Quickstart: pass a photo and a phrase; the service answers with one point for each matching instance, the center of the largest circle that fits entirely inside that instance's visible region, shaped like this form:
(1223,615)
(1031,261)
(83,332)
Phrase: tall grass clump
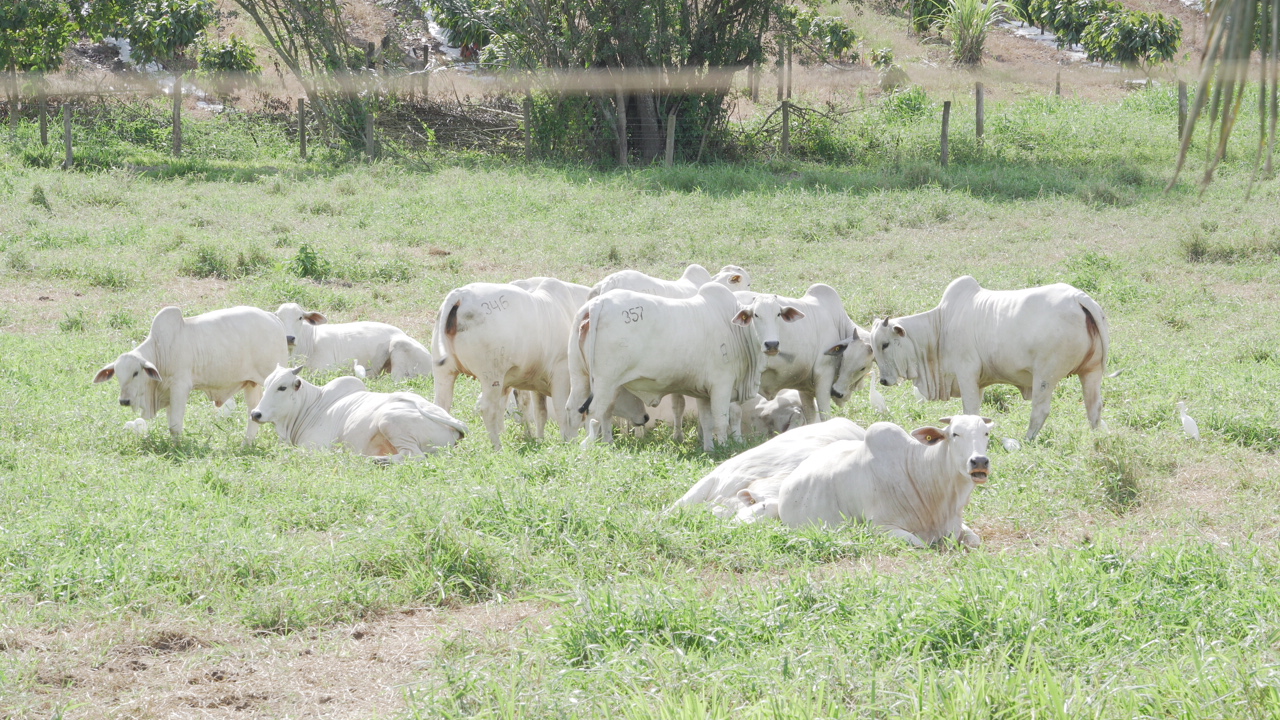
(965,24)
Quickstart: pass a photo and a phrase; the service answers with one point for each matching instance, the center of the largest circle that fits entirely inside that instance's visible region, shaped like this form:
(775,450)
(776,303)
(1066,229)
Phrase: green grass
(1126,575)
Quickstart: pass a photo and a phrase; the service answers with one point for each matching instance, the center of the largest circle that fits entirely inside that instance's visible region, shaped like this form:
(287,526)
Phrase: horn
(297,370)
(945,420)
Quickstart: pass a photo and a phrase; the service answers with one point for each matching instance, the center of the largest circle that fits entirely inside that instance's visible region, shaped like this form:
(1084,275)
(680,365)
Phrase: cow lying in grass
(388,426)
(379,347)
(913,486)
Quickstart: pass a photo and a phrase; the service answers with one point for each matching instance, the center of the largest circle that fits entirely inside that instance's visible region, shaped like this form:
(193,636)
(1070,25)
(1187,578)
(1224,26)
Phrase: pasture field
(1128,574)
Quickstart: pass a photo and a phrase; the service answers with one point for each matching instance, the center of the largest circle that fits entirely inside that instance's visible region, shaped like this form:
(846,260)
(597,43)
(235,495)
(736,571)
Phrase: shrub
(925,14)
(906,104)
(1132,39)
(309,264)
(882,58)
(965,24)
(229,65)
(1067,19)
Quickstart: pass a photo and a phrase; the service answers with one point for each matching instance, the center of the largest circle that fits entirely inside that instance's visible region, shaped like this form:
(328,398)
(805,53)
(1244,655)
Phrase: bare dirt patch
(161,670)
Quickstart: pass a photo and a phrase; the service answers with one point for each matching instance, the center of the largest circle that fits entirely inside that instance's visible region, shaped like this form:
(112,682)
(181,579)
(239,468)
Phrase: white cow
(766,418)
(533,415)
(827,354)
(506,337)
(1029,338)
(389,426)
(220,353)
(694,277)
(378,347)
(912,486)
(708,346)
(775,458)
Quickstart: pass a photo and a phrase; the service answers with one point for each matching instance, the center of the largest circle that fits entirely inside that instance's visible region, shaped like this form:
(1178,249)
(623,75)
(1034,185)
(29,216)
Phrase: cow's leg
(493,405)
(735,421)
(719,405)
(970,395)
(602,397)
(177,408)
(560,390)
(705,424)
(445,377)
(902,534)
(252,396)
(677,412)
(968,537)
(816,406)
(1091,384)
(1041,398)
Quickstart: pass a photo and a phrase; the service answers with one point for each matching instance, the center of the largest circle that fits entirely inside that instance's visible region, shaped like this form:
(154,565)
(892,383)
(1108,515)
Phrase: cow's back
(231,346)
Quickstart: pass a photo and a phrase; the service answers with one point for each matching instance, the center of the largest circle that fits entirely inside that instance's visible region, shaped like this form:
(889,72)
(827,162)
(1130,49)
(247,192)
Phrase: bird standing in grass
(878,402)
(138,426)
(1011,445)
(1189,425)
(359,369)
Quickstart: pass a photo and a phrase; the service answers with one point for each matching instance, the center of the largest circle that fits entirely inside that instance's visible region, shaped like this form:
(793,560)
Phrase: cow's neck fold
(311,406)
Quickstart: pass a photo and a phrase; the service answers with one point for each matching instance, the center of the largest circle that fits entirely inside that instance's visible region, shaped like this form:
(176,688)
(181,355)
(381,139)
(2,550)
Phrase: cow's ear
(151,370)
(928,435)
(743,317)
(944,421)
(315,318)
(297,383)
(105,374)
(791,314)
(988,421)
(736,279)
(838,349)
(898,330)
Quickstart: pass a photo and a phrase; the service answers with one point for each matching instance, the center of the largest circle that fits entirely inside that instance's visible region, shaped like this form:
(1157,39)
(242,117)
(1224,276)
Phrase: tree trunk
(650,127)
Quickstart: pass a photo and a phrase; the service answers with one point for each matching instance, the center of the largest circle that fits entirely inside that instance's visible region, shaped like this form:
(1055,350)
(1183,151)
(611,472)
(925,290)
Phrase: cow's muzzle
(837,394)
(291,340)
(124,402)
(884,382)
(255,416)
(642,423)
(979,468)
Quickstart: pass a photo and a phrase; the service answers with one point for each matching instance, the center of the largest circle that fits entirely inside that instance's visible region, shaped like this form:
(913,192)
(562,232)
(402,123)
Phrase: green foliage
(1132,39)
(965,24)
(309,264)
(906,104)
(925,14)
(159,31)
(228,63)
(881,58)
(1067,19)
(827,37)
(34,34)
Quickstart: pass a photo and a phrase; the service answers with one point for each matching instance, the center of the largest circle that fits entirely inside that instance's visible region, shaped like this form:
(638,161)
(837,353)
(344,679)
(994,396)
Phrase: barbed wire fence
(413,112)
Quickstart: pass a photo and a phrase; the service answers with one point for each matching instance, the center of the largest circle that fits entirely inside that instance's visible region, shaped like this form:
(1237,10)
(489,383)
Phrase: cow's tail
(582,341)
(1095,324)
(446,327)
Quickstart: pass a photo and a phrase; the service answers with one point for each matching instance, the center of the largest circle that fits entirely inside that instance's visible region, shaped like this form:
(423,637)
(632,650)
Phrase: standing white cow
(912,486)
(1029,338)
(774,458)
(694,277)
(827,355)
(390,426)
(532,407)
(379,347)
(709,346)
(506,337)
(220,353)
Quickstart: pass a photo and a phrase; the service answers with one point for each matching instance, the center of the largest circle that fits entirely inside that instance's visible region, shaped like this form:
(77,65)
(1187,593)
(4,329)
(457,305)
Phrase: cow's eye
(135,373)
(281,388)
(884,346)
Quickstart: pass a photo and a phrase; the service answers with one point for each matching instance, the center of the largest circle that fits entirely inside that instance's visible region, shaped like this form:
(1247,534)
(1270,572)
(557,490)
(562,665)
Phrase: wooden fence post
(1182,108)
(671,139)
(528,125)
(782,69)
(370,143)
(622,127)
(790,66)
(66,135)
(368,55)
(302,128)
(785,145)
(13,111)
(177,115)
(43,101)
(946,122)
(1057,84)
(980,119)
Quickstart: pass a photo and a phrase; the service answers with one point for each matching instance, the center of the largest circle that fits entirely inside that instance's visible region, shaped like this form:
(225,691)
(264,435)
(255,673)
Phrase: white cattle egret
(358,368)
(138,426)
(1189,425)
(1011,445)
(228,408)
(919,395)
(877,401)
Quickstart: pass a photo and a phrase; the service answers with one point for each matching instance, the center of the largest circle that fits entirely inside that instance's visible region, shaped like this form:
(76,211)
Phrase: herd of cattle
(634,347)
